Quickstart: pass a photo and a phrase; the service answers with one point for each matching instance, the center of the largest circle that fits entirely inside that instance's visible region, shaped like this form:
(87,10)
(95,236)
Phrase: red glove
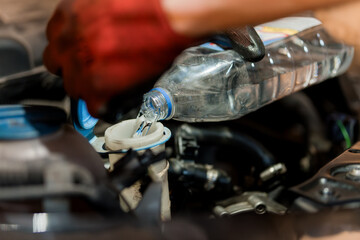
(103,48)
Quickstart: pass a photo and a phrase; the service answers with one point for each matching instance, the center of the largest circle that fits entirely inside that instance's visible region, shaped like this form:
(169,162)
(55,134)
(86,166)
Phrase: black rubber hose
(225,136)
(300,104)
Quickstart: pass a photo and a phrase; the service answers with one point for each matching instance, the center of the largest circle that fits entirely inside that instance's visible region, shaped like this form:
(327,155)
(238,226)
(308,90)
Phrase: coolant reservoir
(120,138)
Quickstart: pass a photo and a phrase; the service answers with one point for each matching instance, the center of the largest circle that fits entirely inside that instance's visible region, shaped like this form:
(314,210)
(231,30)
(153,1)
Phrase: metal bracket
(336,183)
(258,202)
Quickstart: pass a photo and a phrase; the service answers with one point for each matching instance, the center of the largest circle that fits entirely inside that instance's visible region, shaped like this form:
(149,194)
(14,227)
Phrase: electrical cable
(345,133)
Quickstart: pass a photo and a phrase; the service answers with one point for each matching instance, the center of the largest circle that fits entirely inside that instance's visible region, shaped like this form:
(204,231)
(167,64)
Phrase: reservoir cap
(18,122)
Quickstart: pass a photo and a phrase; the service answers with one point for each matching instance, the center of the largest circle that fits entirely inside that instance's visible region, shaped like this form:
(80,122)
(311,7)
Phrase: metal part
(212,176)
(258,202)
(273,171)
(203,175)
(336,183)
(354,174)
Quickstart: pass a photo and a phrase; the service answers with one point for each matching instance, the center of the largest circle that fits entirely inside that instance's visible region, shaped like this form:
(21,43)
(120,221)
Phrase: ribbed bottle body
(210,84)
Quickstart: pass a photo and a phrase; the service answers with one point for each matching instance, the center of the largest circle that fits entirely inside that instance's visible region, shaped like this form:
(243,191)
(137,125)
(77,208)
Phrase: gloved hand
(103,48)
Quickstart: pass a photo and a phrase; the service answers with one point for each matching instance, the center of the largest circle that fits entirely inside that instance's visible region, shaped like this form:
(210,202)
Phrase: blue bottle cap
(167,98)
(19,122)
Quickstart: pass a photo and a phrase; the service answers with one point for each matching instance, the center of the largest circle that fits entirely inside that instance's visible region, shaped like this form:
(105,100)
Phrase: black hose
(225,136)
(300,104)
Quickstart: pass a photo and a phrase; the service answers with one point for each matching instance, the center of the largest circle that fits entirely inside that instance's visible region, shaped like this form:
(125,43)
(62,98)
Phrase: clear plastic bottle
(207,83)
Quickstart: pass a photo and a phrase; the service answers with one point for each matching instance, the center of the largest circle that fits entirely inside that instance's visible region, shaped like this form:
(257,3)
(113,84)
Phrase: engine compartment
(272,165)
(269,174)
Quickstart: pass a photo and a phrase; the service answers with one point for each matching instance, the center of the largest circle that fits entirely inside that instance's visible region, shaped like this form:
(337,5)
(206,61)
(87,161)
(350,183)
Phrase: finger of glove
(247,43)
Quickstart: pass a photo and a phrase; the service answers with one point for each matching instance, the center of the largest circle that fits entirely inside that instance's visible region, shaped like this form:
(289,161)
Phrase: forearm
(200,17)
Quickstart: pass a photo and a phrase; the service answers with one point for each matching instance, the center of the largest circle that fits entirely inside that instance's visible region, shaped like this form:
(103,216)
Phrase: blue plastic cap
(19,122)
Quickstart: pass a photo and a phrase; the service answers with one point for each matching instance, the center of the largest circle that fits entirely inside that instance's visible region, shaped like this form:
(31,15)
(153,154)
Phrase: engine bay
(289,170)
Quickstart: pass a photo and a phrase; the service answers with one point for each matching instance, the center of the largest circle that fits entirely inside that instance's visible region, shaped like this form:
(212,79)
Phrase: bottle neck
(157,105)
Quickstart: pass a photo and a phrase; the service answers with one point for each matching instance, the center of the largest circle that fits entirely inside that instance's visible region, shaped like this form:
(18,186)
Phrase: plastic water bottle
(207,83)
